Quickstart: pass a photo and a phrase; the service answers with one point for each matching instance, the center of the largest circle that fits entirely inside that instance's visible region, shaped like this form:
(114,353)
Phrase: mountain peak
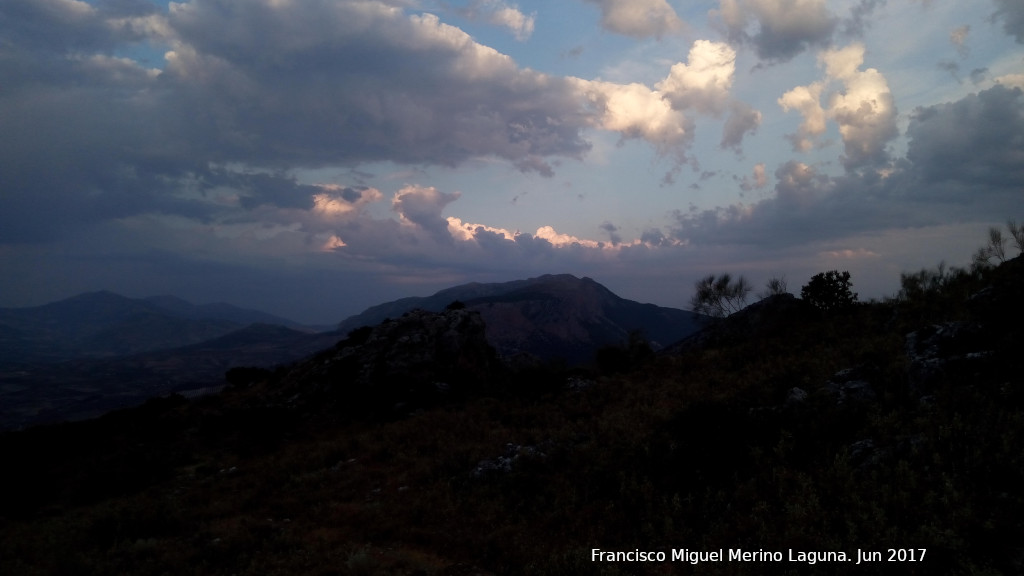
(548,316)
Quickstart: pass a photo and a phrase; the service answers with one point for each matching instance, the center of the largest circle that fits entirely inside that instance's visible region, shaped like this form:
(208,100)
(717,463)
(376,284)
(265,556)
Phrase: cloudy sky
(314,157)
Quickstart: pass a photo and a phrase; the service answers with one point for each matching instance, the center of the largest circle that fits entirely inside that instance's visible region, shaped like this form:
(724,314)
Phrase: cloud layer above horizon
(316,157)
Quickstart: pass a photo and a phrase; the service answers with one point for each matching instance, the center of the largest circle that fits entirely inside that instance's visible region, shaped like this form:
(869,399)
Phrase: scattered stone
(577,383)
(503,464)
(850,388)
(795,396)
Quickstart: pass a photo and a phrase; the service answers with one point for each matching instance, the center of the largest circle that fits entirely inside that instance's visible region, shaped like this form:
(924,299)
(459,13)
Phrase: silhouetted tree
(829,290)
(720,296)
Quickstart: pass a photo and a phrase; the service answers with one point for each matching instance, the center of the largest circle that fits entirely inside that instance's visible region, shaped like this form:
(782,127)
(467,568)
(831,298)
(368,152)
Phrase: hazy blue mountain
(550,316)
(104,324)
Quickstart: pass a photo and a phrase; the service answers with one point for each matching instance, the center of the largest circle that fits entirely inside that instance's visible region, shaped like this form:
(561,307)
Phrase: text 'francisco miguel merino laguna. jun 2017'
(740,555)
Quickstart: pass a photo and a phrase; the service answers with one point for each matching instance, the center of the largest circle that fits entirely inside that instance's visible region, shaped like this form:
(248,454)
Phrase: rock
(850,388)
(933,349)
(795,396)
(503,464)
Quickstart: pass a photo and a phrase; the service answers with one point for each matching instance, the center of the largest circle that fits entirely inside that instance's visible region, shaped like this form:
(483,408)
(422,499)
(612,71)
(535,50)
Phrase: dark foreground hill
(806,438)
(551,316)
(88,387)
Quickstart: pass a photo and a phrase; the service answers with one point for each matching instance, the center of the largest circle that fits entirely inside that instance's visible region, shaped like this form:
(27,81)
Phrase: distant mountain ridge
(550,316)
(104,324)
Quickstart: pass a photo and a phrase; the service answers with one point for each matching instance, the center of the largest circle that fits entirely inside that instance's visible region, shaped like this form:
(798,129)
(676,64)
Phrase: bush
(829,291)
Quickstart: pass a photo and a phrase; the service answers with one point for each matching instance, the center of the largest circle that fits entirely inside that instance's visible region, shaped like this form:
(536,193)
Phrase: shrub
(829,291)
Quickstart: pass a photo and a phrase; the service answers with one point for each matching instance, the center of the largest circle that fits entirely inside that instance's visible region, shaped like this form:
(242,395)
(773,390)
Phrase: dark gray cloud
(742,120)
(1011,12)
(778,29)
(246,96)
(977,141)
(859,20)
(348,82)
(613,232)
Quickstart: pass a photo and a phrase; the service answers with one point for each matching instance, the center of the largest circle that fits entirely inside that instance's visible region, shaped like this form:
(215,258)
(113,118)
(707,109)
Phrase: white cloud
(807,101)
(636,111)
(421,207)
(559,240)
(704,81)
(467,231)
(863,107)
(638,18)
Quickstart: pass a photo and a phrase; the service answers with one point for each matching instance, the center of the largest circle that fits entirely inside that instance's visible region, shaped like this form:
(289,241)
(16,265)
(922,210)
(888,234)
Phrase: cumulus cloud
(466,231)
(636,111)
(703,84)
(361,81)
(704,81)
(807,101)
(778,29)
(862,106)
(499,13)
(638,18)
(422,206)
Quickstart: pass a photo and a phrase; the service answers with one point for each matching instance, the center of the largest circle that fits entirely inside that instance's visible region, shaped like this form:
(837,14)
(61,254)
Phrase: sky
(312,158)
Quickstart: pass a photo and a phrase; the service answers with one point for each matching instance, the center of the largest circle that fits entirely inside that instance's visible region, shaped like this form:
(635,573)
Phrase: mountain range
(97,351)
(811,435)
(104,324)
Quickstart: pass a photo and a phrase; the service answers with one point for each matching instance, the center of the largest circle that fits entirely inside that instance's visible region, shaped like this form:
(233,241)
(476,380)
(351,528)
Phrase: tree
(829,291)
(719,296)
